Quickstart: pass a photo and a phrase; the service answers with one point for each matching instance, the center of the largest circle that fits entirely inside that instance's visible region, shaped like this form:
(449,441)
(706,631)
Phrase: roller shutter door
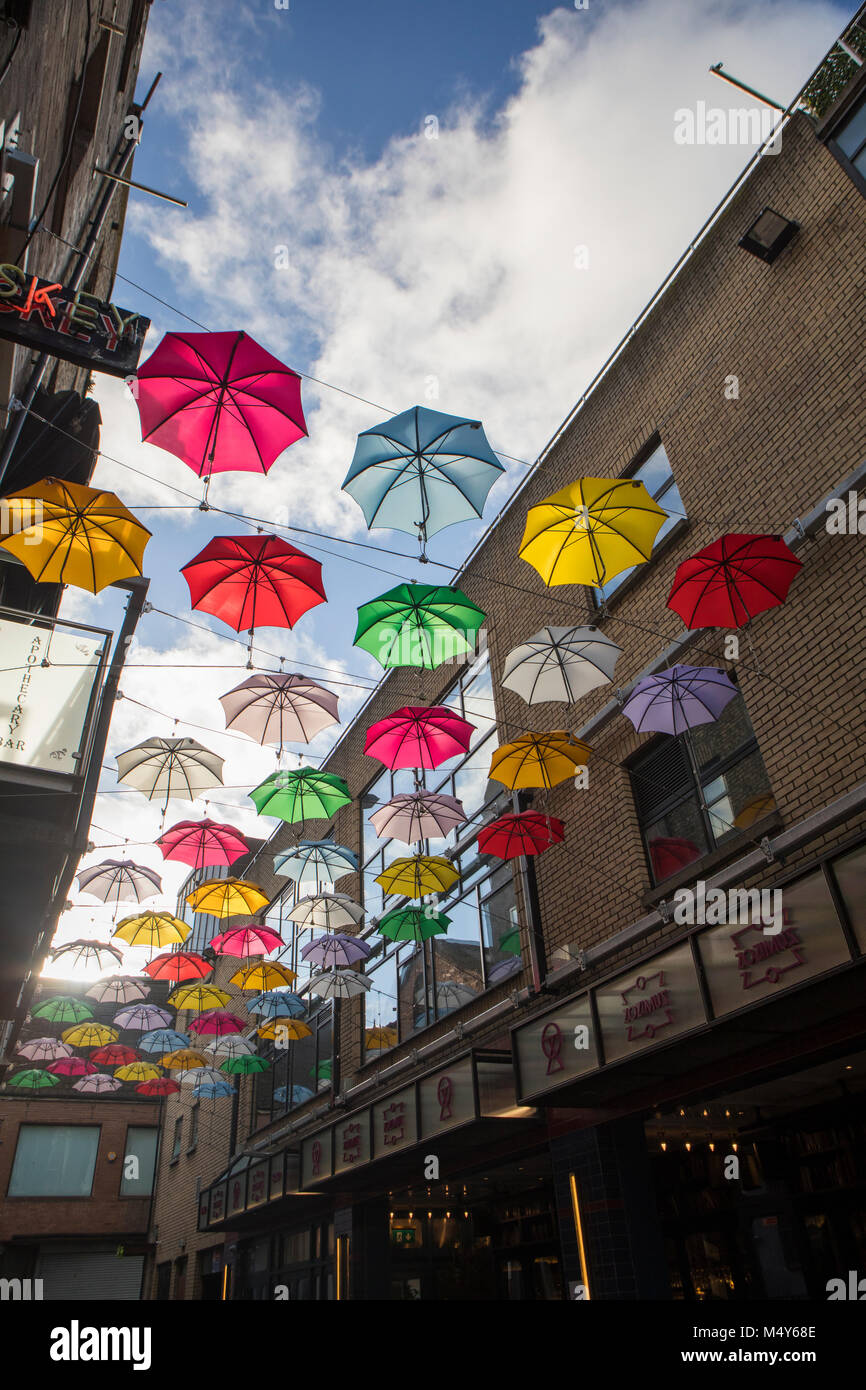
(89,1274)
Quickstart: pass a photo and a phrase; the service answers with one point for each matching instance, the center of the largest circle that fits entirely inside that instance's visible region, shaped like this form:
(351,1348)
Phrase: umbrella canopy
(670,853)
(591,530)
(413,878)
(538,760)
(44,1050)
(755,809)
(336,951)
(277,1003)
(375,1038)
(419,815)
(228,897)
(152,929)
(292,1095)
(140,1018)
(413,924)
(254,581)
(202,843)
(254,940)
(338,984)
(213,1090)
(278,708)
(330,911)
(199,997)
(731,581)
(264,975)
(199,1076)
(177,966)
(316,861)
(114,1055)
(84,953)
(217,1022)
(232,1045)
(162,1086)
(90,1035)
(525,832)
(71,1066)
(161,768)
(679,698)
(418,736)
(244,1065)
(119,989)
(97,1085)
(301,794)
(285,1029)
(560,663)
(183,1059)
(450,995)
(32,1080)
(160,1040)
(63,1008)
(510,942)
(219,402)
(138,1071)
(422,471)
(419,625)
(119,880)
(80,535)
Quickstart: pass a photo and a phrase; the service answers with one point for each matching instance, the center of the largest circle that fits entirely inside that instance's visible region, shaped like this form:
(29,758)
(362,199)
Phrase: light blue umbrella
(298,1095)
(213,1090)
(316,861)
(422,471)
(162,1040)
(277,1003)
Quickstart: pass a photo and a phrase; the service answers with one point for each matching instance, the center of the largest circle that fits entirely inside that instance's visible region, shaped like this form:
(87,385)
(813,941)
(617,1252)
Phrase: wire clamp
(15,404)
(665,910)
(798,527)
(147,607)
(767,849)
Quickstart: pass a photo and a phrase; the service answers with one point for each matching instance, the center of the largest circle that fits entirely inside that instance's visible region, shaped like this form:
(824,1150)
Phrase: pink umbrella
(421,815)
(217,1021)
(219,402)
(255,940)
(71,1066)
(97,1085)
(201,843)
(45,1050)
(418,736)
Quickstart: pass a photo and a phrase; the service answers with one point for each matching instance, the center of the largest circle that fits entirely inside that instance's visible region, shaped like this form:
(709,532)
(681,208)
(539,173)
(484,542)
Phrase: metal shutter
(89,1274)
(661,777)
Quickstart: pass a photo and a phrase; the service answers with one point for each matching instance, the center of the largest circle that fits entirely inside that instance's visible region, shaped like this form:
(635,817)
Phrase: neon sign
(71,324)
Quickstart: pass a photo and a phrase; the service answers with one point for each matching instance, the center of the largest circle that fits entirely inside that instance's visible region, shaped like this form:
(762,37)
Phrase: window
(193,1127)
(848,143)
(139,1160)
(301,1068)
(163,1281)
(694,792)
(657,477)
(54,1161)
(178,1135)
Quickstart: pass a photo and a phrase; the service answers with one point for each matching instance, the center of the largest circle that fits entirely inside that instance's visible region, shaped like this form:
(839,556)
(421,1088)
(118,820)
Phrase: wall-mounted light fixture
(768,235)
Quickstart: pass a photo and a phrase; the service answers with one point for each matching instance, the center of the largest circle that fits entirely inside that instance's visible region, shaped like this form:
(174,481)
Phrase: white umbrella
(421,815)
(198,1075)
(88,953)
(332,911)
(274,707)
(560,663)
(338,984)
(161,768)
(232,1045)
(119,880)
(119,989)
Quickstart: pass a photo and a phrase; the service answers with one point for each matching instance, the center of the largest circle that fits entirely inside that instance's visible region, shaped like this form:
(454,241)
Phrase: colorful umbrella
(183,1059)
(244,1066)
(510,942)
(119,880)
(755,809)
(264,975)
(177,966)
(538,760)
(90,1035)
(32,1080)
(670,853)
(285,1029)
(526,832)
(731,581)
(86,953)
(219,402)
(44,1050)
(162,1040)
(422,471)
(324,1071)
(114,1055)
(254,940)
(679,698)
(203,843)
(301,794)
(152,929)
(338,984)
(140,1018)
(138,1071)
(273,707)
(450,996)
(232,1045)
(161,768)
(200,1076)
(80,535)
(560,663)
(274,1003)
(98,1085)
(419,625)
(198,997)
(292,1095)
(413,878)
(419,815)
(591,530)
(418,736)
(228,897)
(216,1022)
(375,1038)
(71,1066)
(413,924)
(335,951)
(163,1086)
(254,581)
(213,1090)
(63,1008)
(119,989)
(330,911)
(316,861)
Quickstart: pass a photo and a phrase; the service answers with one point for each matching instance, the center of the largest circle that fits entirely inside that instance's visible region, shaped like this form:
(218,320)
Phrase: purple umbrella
(45,1050)
(337,950)
(679,699)
(119,880)
(142,1017)
(98,1084)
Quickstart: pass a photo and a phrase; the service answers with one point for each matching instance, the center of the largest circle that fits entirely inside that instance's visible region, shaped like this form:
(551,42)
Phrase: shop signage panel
(394,1123)
(447,1098)
(352,1142)
(850,874)
(257,1185)
(217,1204)
(556,1048)
(69,324)
(45,694)
(316,1158)
(237,1193)
(747,963)
(276,1185)
(650,1004)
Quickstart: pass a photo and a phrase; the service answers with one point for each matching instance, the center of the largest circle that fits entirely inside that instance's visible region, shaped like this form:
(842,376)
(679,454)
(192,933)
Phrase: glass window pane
(676,839)
(458,958)
(380,1001)
(138,1161)
(54,1161)
(853,132)
(412,1004)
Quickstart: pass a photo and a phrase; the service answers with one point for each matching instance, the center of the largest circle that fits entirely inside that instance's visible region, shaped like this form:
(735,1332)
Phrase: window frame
(599,601)
(838,116)
(52,1196)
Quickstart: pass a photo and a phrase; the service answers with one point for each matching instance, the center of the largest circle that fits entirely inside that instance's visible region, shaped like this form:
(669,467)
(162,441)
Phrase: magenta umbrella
(255,940)
(202,843)
(219,402)
(218,1022)
(71,1066)
(418,736)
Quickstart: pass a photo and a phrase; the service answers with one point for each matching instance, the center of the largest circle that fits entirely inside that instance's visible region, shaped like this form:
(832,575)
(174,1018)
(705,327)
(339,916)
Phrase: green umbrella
(302,794)
(33,1080)
(510,942)
(418,625)
(413,924)
(243,1065)
(63,1008)
(324,1071)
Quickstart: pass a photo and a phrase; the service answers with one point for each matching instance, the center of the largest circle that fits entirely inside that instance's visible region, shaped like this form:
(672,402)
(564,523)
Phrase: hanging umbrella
(276,708)
(254,581)
(376,1038)
(450,995)
(177,966)
(219,402)
(114,1055)
(232,1045)
(71,1066)
(32,1080)
(213,1090)
(63,1008)
(422,471)
(419,815)
(90,1035)
(254,940)
(292,1095)
(418,736)
(560,663)
(323,1072)
(285,1029)
(162,768)
(538,760)
(301,794)
(316,861)
(98,1085)
(162,1086)
(228,897)
(679,698)
(152,929)
(119,989)
(85,953)
(413,924)
(44,1050)
(161,1040)
(183,1059)
(330,911)
(335,951)
(731,581)
(274,1003)
(216,1022)
(670,853)
(413,878)
(264,975)
(591,531)
(338,984)
(504,969)
(80,535)
(140,1018)
(138,1071)
(755,809)
(244,1066)
(200,1076)
(199,997)
(202,843)
(525,832)
(420,625)
(119,880)
(510,942)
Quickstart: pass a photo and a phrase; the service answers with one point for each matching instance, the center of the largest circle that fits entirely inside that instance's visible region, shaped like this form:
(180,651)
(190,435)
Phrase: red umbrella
(201,843)
(246,941)
(177,966)
(670,853)
(71,1066)
(254,581)
(114,1055)
(218,1022)
(418,736)
(732,580)
(525,832)
(160,1086)
(219,402)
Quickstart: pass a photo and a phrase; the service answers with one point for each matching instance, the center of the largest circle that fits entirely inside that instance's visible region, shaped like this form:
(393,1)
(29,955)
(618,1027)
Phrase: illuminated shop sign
(394,1123)
(45,693)
(69,324)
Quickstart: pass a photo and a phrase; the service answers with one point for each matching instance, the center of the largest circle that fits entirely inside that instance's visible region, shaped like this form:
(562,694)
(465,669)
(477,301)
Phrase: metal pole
(735,82)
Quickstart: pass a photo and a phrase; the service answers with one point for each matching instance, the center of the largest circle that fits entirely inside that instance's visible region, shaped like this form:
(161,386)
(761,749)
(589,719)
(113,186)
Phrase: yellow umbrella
(591,530)
(77,535)
(380,1037)
(538,760)
(183,1059)
(199,997)
(412,878)
(228,897)
(152,929)
(90,1035)
(755,809)
(262,976)
(287,1029)
(138,1071)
